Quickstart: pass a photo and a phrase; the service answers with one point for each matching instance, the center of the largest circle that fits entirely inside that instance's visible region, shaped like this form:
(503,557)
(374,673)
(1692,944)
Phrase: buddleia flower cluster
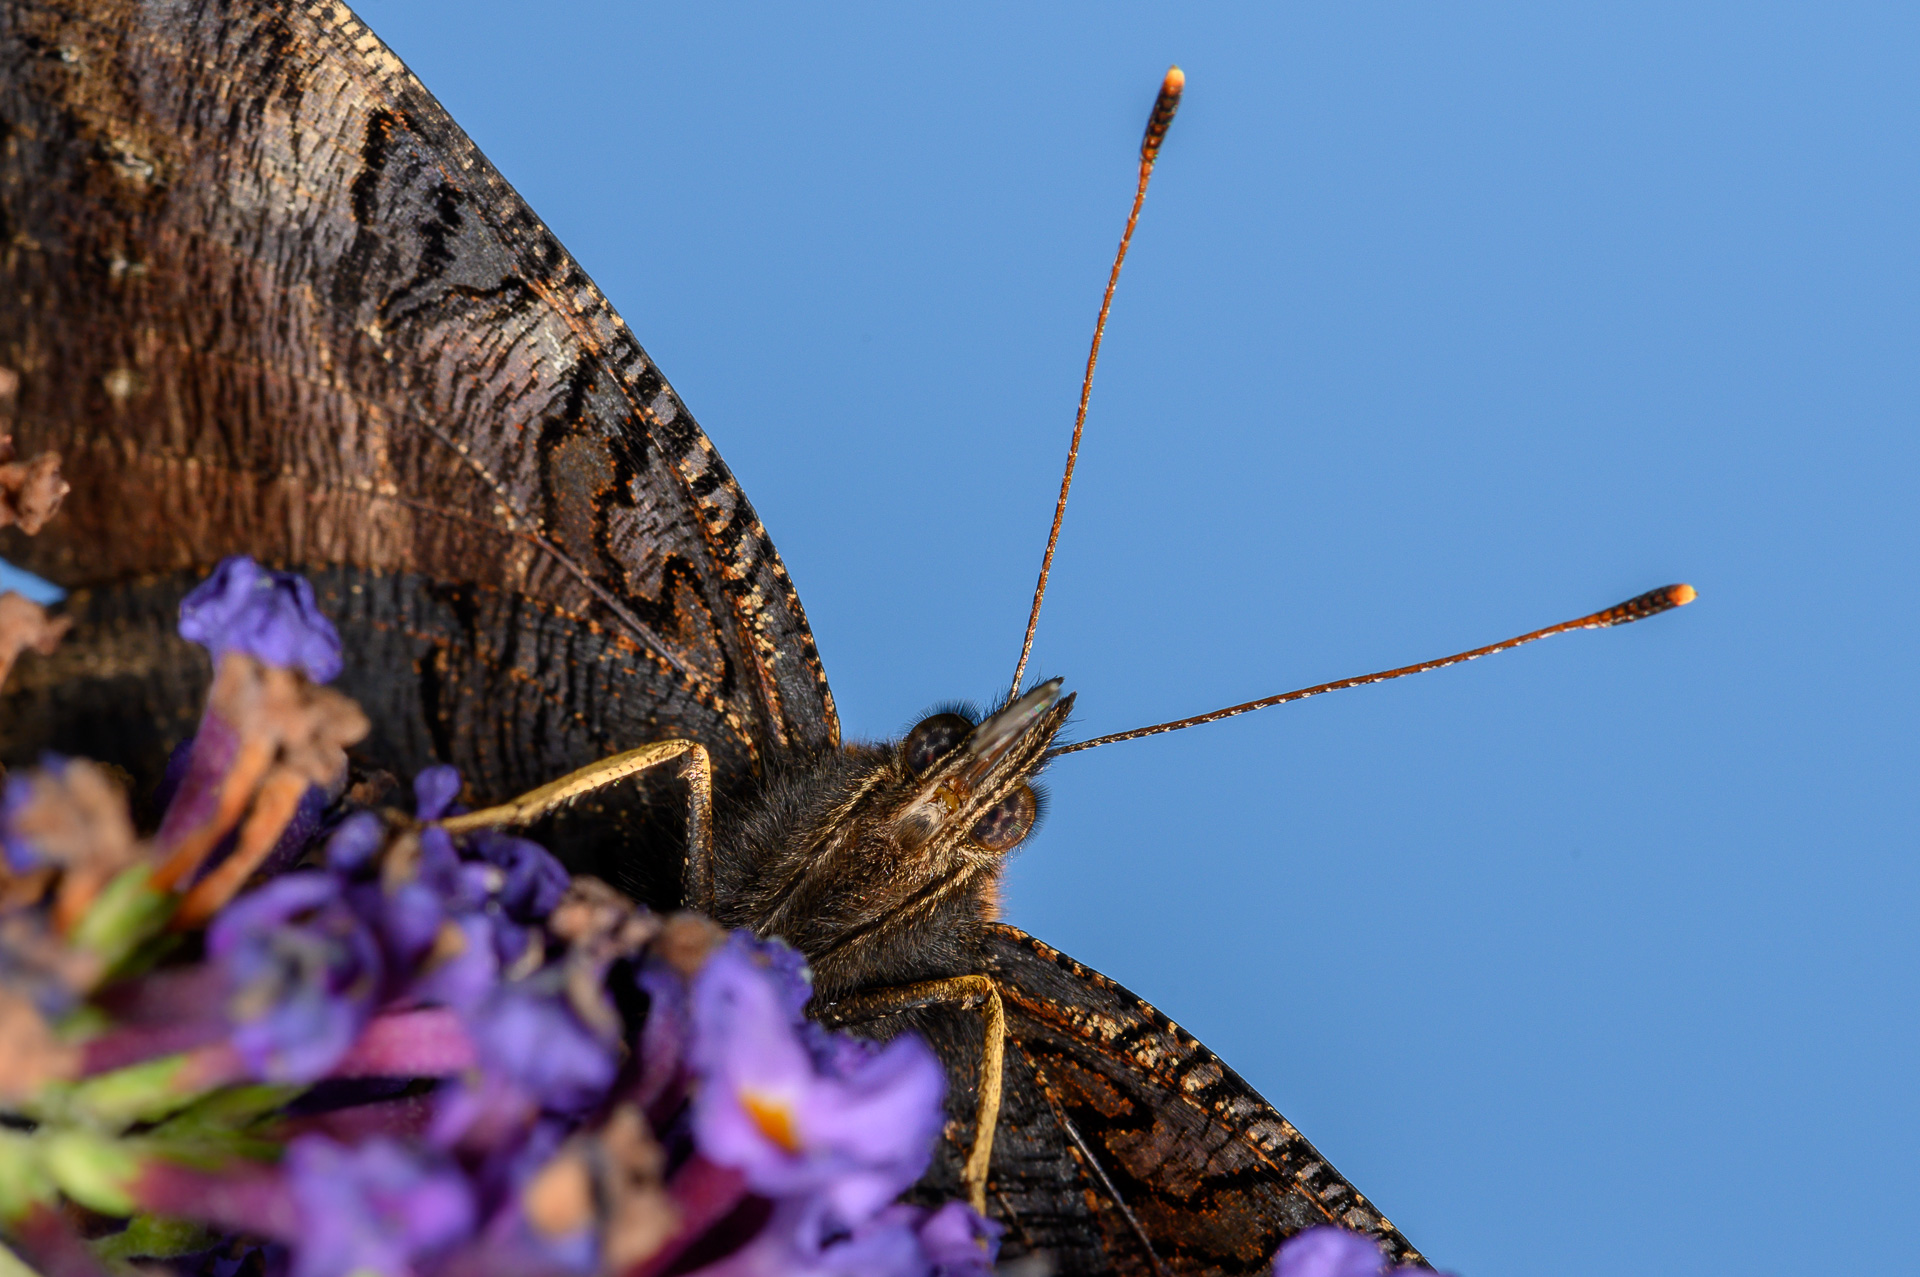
(291,1030)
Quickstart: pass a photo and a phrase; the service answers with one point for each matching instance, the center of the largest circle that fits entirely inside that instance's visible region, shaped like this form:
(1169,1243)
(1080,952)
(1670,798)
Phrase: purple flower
(374,1209)
(664,1037)
(535,1043)
(353,842)
(887,1245)
(67,812)
(305,973)
(300,831)
(434,791)
(14,798)
(533,881)
(273,616)
(407,918)
(836,1054)
(959,1241)
(462,967)
(409,914)
(1327,1251)
(785,964)
(857,1140)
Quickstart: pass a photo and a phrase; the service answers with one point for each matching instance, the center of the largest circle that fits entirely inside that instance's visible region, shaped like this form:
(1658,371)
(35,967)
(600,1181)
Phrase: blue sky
(1443,322)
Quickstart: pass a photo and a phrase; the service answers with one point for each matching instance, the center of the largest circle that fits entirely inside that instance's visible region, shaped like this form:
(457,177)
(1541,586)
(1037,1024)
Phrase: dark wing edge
(1200,1164)
(765,606)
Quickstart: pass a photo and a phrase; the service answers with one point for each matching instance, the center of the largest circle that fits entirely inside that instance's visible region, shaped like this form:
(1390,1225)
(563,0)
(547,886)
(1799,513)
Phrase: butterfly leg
(963,991)
(696,766)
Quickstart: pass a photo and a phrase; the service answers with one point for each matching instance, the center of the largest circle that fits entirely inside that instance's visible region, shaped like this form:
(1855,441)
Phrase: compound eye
(933,738)
(1007,821)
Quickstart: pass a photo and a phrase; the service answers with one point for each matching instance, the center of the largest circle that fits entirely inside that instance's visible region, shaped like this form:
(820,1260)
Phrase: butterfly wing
(265,297)
(1124,1145)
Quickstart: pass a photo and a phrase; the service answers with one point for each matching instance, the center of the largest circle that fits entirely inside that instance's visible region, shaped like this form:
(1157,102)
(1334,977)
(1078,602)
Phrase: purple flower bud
(1327,1251)
(374,1209)
(463,967)
(305,972)
(440,867)
(960,1242)
(534,880)
(434,791)
(857,1140)
(273,616)
(354,841)
(408,918)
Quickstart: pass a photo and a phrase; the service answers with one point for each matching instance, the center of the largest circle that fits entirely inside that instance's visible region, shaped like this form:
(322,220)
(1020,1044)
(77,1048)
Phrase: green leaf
(93,1170)
(23,1180)
(155,1237)
(128,911)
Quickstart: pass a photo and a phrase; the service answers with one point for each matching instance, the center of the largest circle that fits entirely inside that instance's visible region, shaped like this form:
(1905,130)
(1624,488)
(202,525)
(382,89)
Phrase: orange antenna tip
(1164,106)
(1638,608)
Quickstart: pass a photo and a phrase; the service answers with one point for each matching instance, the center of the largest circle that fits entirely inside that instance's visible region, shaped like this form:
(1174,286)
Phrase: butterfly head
(862,856)
(966,785)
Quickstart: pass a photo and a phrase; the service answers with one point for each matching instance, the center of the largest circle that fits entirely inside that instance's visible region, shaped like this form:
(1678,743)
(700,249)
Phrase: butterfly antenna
(1639,608)
(1163,108)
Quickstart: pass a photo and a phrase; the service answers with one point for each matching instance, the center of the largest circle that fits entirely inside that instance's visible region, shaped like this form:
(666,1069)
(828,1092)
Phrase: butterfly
(265,297)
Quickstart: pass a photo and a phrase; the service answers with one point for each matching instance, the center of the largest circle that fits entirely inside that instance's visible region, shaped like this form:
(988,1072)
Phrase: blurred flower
(244,607)
(535,1042)
(30,490)
(857,1140)
(30,1053)
(959,1242)
(607,1181)
(351,846)
(305,973)
(373,1210)
(434,791)
(890,1244)
(534,882)
(68,812)
(1327,1251)
(471,1095)
(267,735)
(25,624)
(461,968)
(306,726)
(785,965)
(884,1246)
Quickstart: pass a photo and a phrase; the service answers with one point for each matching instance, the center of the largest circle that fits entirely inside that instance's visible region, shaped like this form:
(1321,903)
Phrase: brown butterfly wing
(265,297)
(1119,1132)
